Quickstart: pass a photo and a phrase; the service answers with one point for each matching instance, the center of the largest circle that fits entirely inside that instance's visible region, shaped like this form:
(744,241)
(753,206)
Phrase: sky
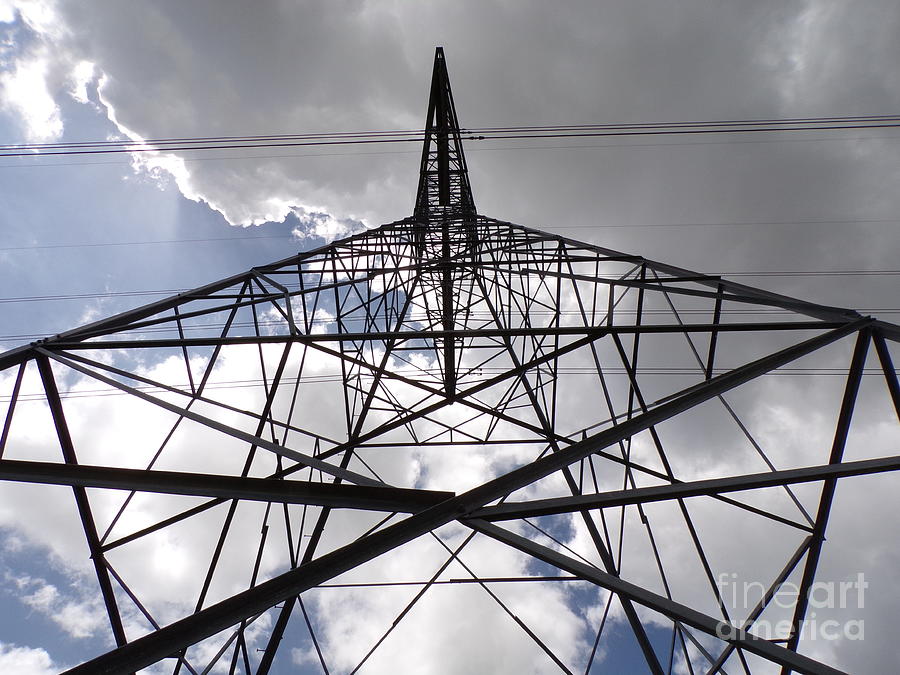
(119,231)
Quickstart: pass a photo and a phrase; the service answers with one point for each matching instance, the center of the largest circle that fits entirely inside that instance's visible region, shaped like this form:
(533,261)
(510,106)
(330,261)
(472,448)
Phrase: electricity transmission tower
(356,454)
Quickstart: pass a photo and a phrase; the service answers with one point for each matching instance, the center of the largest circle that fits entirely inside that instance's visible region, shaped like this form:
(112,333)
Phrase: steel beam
(824,312)
(82,503)
(848,404)
(887,366)
(209,621)
(658,603)
(335,495)
(708,487)
(11,408)
(294,455)
(422,335)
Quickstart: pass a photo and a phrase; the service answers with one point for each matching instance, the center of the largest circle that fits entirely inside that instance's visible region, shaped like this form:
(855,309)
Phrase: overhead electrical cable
(471,133)
(680,142)
(749,223)
(101,392)
(748,273)
(100,244)
(157,330)
(871,119)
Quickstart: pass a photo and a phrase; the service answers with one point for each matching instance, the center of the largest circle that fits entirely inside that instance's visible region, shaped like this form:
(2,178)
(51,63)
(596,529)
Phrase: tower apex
(444,189)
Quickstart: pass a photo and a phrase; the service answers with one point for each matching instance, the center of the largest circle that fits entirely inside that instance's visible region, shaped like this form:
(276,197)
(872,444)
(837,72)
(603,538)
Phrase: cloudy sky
(802,202)
(118,230)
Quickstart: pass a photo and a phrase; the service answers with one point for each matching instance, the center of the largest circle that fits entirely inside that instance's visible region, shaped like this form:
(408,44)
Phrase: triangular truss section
(436,382)
(444,189)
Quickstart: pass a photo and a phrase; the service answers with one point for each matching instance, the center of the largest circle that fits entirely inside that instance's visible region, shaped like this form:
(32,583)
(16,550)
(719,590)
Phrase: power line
(89,296)
(473,133)
(29,337)
(746,273)
(141,243)
(616,126)
(749,223)
(813,273)
(101,392)
(580,146)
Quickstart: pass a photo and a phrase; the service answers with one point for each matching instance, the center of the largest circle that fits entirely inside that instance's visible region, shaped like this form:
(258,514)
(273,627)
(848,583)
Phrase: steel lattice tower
(585,401)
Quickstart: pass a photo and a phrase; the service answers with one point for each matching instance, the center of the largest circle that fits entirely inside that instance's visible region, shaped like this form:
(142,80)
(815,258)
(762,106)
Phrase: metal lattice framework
(586,383)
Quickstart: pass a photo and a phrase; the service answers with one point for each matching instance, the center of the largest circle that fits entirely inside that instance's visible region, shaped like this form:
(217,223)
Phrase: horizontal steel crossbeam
(712,486)
(662,604)
(180,634)
(334,495)
(401,336)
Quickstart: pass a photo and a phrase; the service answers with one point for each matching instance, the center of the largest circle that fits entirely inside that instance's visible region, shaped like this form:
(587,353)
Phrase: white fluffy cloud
(79,613)
(24,90)
(17,660)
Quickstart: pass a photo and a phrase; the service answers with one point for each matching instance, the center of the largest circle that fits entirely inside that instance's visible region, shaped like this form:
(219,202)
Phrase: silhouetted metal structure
(588,380)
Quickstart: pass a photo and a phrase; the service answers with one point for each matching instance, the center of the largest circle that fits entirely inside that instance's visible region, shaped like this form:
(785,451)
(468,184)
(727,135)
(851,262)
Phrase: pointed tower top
(444,189)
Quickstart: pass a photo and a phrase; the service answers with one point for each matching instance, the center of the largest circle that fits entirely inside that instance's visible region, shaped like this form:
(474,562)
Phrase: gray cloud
(225,68)
(173,69)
